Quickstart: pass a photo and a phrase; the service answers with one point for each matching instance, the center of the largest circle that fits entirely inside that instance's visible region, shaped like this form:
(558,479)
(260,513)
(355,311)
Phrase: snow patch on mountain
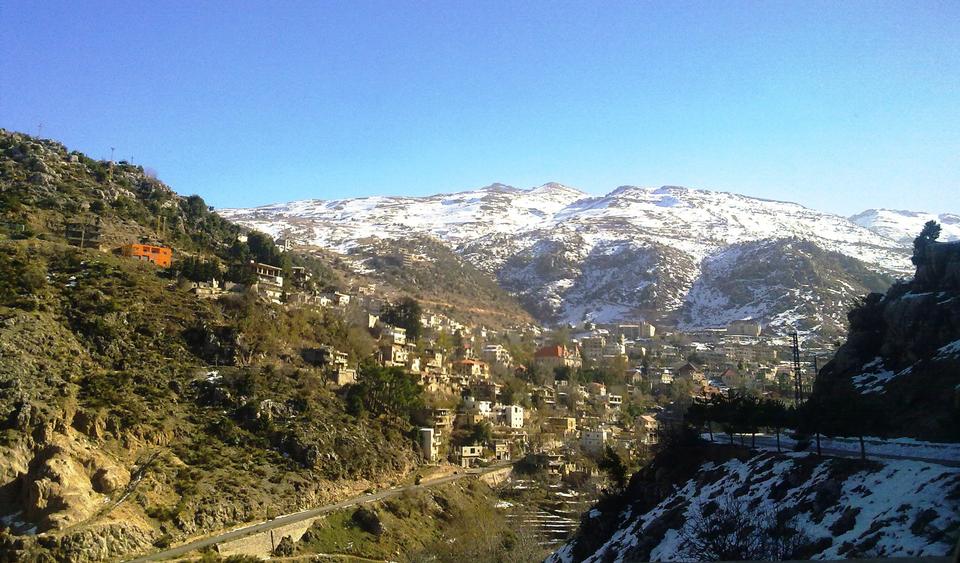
(903,226)
(634,252)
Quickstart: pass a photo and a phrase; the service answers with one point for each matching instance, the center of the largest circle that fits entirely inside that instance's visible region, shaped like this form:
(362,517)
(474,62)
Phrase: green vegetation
(454,523)
(404,314)
(111,366)
(385,391)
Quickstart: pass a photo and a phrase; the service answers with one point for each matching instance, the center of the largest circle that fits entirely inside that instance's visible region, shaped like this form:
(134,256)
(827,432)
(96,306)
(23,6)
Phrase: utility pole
(40,129)
(797,381)
(816,366)
(111,155)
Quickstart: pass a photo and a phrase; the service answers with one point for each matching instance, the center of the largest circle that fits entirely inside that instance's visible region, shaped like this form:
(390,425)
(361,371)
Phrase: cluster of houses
(565,417)
(508,434)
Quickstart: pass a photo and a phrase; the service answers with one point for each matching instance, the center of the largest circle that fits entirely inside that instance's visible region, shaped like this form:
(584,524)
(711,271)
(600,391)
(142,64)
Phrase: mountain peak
(556,187)
(498,187)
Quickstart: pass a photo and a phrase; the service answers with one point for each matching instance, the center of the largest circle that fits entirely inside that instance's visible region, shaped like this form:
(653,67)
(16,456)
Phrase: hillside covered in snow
(903,226)
(778,506)
(656,253)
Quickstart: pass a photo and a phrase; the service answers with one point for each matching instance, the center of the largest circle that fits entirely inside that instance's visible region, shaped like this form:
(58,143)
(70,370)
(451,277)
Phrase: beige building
(551,357)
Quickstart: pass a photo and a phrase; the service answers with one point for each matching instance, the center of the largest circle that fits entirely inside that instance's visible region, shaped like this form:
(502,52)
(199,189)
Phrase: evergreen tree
(774,414)
(930,233)
(405,314)
(380,390)
(616,469)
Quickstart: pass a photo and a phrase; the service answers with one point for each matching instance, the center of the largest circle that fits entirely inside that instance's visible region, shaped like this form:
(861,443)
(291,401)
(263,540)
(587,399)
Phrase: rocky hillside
(635,252)
(438,278)
(132,413)
(902,355)
(791,282)
(725,505)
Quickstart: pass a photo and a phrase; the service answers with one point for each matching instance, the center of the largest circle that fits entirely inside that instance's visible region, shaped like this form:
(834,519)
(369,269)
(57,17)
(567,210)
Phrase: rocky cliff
(902,355)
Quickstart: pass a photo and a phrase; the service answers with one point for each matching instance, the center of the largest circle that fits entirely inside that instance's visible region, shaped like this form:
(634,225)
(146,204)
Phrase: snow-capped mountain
(903,226)
(635,252)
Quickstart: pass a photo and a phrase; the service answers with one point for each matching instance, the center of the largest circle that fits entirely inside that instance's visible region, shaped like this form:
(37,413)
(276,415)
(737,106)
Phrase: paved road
(306,515)
(770,443)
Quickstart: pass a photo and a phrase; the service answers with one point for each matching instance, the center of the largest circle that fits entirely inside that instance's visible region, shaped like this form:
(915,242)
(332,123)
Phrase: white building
(470,455)
(511,415)
(496,354)
(483,408)
(430,443)
(394,334)
(593,441)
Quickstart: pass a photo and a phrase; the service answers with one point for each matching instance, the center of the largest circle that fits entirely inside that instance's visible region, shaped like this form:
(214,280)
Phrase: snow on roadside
(899,447)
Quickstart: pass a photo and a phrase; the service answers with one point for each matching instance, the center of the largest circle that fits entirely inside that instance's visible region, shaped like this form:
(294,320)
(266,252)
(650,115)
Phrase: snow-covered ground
(899,508)
(905,225)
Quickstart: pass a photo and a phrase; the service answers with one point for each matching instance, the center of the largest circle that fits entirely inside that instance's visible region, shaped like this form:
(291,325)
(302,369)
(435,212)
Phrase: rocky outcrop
(67,481)
(101,542)
(903,352)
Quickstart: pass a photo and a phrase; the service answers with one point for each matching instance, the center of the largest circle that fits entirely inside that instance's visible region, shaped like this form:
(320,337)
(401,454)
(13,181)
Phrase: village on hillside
(558,399)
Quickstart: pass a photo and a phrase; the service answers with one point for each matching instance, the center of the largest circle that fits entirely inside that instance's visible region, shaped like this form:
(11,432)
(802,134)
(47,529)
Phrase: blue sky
(837,105)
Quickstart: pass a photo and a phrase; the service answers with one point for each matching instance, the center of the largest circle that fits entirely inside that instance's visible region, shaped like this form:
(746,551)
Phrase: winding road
(852,449)
(284,520)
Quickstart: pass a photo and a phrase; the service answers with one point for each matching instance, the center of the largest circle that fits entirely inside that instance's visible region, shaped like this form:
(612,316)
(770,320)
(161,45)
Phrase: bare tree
(730,530)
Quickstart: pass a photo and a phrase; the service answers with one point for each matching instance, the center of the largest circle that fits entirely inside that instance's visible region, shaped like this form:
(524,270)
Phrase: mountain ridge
(542,243)
(902,225)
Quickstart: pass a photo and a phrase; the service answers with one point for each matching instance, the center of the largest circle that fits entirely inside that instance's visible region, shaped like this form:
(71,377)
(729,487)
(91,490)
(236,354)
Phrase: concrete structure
(160,255)
(343,376)
(496,354)
(745,327)
(593,441)
(470,455)
(563,425)
(474,406)
(430,441)
(552,357)
(512,416)
(471,368)
(647,429)
(592,347)
(268,274)
(393,334)
(394,355)
(637,331)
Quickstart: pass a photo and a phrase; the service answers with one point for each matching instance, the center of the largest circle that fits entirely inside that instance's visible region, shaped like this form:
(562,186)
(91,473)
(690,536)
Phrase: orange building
(159,255)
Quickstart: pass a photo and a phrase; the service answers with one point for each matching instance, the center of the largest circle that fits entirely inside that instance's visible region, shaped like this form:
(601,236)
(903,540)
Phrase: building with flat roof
(160,255)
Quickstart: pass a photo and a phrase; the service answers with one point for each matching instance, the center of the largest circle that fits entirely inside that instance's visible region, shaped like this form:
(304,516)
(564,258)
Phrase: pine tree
(930,233)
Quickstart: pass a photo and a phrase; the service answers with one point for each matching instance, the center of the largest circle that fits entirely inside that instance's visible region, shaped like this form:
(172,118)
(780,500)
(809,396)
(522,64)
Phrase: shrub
(368,521)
